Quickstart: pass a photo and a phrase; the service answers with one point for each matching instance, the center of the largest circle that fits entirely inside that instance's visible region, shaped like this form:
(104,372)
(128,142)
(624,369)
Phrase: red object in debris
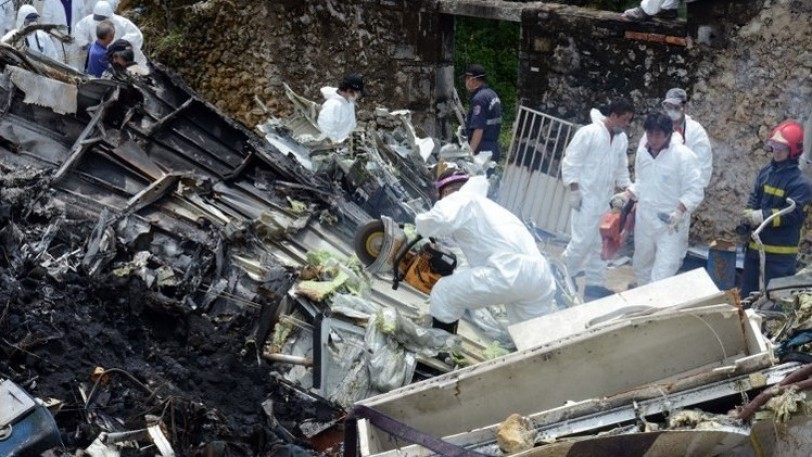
(615,227)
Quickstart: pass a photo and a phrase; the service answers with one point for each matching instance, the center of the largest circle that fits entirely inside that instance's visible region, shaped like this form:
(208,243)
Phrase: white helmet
(103,8)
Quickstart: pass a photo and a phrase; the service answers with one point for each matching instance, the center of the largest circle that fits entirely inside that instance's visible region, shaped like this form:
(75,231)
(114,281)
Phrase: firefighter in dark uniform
(776,182)
(484,119)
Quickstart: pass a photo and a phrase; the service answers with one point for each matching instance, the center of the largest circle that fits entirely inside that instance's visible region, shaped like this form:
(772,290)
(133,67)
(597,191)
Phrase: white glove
(673,220)
(754,217)
(619,200)
(575,199)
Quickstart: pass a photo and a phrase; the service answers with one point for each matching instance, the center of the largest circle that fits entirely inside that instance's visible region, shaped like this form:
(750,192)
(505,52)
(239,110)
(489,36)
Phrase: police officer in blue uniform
(776,182)
(484,119)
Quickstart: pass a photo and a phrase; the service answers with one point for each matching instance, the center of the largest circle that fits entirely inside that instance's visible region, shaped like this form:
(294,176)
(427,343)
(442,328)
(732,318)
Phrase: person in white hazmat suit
(38,40)
(667,187)
(663,9)
(692,133)
(337,114)
(594,165)
(67,13)
(6,16)
(85,31)
(504,263)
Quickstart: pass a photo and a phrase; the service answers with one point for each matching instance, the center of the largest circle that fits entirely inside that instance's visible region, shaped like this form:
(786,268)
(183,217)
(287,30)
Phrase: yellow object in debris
(319,290)
(515,434)
(804,309)
(495,350)
(98,376)
(297,207)
(787,404)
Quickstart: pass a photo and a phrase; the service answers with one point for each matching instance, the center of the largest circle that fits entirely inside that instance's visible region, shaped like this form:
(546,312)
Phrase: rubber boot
(450,327)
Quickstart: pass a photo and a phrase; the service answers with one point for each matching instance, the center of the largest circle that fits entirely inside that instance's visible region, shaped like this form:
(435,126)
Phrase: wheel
(368,241)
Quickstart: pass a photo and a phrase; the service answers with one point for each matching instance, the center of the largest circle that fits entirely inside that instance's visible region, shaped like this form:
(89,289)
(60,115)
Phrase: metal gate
(531,185)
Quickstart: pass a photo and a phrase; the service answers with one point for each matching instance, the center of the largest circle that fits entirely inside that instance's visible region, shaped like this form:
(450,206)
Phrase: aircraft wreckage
(175,284)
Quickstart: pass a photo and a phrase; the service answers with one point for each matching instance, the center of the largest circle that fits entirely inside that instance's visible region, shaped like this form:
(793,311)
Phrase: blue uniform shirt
(97,60)
(774,184)
(486,114)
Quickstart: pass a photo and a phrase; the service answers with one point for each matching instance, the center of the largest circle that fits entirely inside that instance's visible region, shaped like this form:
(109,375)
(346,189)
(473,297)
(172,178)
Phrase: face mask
(617,130)
(353,98)
(675,115)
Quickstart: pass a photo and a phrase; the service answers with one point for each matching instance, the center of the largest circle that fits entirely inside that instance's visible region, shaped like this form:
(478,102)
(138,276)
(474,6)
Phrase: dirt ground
(618,278)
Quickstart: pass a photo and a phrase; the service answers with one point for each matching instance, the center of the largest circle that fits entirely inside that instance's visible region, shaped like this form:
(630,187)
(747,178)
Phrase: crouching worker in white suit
(504,263)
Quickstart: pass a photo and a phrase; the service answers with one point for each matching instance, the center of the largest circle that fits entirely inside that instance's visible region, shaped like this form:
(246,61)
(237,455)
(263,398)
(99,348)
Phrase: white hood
(25,10)
(329,92)
(103,8)
(477,185)
(596,116)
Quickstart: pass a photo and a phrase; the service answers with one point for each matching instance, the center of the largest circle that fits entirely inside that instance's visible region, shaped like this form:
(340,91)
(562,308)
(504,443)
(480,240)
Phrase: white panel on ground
(674,291)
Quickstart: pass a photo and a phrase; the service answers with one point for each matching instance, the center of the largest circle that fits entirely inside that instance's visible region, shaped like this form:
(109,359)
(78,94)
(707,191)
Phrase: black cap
(355,82)
(119,46)
(474,70)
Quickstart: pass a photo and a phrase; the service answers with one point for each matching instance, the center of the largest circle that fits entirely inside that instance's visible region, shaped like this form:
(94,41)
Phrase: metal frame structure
(531,185)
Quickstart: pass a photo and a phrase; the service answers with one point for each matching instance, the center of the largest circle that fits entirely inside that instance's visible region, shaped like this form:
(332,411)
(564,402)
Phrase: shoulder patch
(477,110)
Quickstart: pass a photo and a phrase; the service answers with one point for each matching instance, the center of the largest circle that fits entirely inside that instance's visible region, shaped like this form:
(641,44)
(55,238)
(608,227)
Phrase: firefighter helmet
(790,133)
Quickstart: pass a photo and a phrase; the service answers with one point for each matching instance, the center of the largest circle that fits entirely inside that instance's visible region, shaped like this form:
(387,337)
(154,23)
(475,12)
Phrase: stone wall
(741,92)
(572,60)
(232,51)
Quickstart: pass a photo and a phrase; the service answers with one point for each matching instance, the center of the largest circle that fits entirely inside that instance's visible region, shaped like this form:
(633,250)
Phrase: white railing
(531,185)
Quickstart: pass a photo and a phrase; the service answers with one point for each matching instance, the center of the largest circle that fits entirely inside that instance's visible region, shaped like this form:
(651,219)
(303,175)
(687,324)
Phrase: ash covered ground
(199,374)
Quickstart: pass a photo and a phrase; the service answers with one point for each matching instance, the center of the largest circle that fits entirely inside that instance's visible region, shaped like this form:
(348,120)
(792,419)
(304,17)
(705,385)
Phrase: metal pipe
(292,359)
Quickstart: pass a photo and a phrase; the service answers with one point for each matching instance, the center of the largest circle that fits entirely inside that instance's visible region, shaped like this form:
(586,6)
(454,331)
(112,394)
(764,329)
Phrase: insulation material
(44,91)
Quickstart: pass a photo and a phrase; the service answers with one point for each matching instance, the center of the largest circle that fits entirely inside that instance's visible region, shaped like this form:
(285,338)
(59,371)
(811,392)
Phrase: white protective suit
(54,13)
(652,7)
(504,263)
(85,31)
(38,40)
(337,115)
(598,163)
(660,185)
(6,17)
(696,138)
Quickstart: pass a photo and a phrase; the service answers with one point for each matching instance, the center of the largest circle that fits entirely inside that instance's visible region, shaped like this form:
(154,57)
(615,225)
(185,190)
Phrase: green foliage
(169,47)
(494,45)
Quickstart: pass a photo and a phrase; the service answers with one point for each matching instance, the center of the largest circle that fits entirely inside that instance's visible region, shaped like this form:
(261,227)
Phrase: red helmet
(790,133)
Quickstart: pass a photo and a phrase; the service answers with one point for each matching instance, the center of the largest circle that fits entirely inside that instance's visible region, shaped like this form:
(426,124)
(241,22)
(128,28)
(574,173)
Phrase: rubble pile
(169,277)
(112,348)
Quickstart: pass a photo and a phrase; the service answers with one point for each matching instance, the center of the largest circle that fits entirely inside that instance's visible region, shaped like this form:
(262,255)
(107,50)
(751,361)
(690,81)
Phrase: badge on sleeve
(477,110)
